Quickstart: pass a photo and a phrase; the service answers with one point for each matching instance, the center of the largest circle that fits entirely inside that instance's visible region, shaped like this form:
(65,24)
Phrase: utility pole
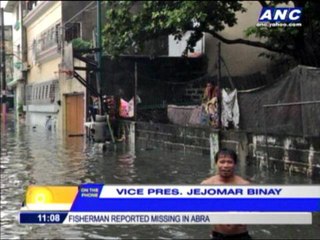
(219,84)
(135,89)
(98,74)
(3,67)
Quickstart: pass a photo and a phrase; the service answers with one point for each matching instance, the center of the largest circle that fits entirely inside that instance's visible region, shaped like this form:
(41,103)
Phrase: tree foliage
(79,43)
(129,24)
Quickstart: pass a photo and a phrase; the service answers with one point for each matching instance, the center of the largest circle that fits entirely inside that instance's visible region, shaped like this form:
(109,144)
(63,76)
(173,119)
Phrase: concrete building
(42,20)
(78,21)
(53,99)
(17,83)
(242,62)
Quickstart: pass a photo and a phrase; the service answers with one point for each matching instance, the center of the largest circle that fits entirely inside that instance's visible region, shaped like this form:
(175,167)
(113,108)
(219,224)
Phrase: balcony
(47,45)
(36,10)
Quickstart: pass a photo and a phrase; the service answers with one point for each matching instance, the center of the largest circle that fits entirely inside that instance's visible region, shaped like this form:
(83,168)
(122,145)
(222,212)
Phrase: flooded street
(37,156)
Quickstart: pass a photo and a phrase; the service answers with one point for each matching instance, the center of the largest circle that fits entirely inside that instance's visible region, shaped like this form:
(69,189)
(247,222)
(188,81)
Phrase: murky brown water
(36,156)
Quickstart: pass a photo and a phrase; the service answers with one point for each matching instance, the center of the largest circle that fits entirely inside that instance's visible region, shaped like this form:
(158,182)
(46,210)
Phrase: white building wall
(45,71)
(241,59)
(176,48)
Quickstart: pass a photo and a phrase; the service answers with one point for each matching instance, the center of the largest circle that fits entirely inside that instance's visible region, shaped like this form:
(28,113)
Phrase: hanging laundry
(230,109)
(126,108)
(131,108)
(212,111)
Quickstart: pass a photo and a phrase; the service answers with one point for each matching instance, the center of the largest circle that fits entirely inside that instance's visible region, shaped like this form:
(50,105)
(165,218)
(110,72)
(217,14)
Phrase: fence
(296,119)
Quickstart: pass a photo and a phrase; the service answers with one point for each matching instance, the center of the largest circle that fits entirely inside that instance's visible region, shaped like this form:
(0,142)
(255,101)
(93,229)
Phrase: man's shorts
(221,236)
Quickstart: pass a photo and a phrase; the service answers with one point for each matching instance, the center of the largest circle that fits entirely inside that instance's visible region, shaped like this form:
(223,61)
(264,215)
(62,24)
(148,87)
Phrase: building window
(43,92)
(72,31)
(49,37)
(46,96)
(29,94)
(58,35)
(52,92)
(38,92)
(33,93)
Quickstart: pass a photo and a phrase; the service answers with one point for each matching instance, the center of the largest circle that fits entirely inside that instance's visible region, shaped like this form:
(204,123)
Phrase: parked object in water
(100,130)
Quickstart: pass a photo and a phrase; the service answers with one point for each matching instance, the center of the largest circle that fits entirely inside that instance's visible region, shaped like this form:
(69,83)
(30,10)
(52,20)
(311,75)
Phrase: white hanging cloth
(230,108)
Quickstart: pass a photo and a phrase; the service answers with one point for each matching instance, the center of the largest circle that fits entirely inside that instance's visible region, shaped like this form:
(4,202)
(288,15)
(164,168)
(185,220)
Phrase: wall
(173,137)
(44,68)
(234,54)
(43,71)
(68,86)
(279,153)
(85,13)
(195,92)
(292,154)
(72,13)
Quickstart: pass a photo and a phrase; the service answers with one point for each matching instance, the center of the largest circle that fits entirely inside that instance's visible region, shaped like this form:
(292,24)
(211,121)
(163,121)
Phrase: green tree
(129,24)
(79,43)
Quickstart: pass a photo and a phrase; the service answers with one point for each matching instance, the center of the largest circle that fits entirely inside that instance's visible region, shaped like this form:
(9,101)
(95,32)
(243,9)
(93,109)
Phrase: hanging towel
(230,109)
(126,108)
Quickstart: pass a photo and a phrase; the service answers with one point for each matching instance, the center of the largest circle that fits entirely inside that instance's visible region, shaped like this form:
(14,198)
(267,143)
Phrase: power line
(63,27)
(74,16)
(31,45)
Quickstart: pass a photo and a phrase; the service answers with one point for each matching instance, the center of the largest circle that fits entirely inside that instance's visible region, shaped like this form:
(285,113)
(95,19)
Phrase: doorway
(74,115)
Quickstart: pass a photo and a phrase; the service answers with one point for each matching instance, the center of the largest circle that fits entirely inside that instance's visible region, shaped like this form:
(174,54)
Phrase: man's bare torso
(229,228)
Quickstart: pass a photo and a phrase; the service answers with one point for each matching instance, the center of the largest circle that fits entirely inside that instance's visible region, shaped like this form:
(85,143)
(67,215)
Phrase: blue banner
(196,205)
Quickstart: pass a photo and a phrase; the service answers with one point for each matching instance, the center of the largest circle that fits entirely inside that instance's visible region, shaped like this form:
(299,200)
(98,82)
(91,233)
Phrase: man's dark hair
(226,152)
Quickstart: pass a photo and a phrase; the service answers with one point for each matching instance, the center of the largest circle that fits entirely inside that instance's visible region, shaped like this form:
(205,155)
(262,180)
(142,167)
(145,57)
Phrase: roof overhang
(10,6)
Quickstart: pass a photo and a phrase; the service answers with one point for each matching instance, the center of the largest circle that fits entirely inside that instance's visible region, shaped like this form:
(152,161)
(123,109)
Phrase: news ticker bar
(173,198)
(165,218)
(201,191)
(182,205)
(196,205)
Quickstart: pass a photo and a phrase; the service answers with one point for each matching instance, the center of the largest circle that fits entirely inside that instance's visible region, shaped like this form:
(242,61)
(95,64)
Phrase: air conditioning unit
(25,67)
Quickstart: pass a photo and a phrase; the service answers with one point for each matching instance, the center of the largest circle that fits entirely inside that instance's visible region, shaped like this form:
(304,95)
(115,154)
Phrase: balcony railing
(47,44)
(50,37)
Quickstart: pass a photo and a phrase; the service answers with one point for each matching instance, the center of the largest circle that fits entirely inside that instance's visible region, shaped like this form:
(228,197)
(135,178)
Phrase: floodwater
(37,156)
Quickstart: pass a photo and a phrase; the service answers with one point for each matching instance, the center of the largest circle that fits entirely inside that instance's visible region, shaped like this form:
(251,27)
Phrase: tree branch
(263,3)
(299,3)
(250,43)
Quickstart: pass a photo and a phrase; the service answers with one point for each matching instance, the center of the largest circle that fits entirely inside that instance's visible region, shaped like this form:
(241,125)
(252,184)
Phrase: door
(75,115)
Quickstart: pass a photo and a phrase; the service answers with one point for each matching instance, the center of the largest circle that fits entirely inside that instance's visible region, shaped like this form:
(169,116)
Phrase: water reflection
(125,170)
(36,156)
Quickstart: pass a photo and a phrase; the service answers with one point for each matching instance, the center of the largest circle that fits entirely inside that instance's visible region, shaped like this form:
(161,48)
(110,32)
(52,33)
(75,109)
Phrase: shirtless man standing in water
(226,161)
